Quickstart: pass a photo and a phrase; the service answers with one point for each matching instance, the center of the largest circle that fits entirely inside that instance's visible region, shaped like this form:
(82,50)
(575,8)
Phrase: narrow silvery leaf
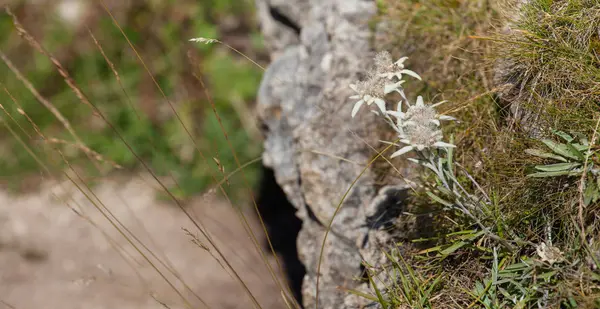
(402,151)
(357,107)
(411,73)
(439,200)
(401,91)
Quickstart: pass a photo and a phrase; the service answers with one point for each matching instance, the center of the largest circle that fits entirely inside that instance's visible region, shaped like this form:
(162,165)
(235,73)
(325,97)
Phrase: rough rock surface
(318,48)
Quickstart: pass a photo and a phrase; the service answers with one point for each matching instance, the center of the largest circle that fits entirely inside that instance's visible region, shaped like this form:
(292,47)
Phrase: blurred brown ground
(50,257)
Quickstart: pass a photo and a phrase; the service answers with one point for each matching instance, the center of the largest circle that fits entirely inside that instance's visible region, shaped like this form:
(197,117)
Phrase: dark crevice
(279,216)
(284,20)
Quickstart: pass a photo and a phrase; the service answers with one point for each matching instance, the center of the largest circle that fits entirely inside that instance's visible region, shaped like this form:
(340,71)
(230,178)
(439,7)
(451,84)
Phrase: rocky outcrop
(313,145)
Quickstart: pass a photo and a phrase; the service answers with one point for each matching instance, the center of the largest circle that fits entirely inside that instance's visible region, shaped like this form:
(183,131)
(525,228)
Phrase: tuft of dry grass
(510,86)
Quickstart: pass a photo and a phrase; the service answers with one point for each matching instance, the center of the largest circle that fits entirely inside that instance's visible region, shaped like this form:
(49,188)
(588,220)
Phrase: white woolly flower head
(372,90)
(389,69)
(419,127)
(384,79)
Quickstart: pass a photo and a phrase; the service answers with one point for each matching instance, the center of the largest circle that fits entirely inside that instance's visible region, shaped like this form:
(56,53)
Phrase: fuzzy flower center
(424,135)
(420,114)
(373,86)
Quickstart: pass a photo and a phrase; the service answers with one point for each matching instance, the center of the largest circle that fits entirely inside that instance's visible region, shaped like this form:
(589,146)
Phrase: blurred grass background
(160,31)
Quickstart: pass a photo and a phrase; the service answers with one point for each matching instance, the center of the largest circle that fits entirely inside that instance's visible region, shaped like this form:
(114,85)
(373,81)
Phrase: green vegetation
(527,152)
(138,110)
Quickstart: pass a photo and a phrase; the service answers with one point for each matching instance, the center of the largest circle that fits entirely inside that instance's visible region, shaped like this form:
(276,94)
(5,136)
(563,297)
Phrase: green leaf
(547,275)
(554,174)
(561,149)
(380,298)
(557,167)
(591,193)
(563,135)
(363,295)
(428,250)
(438,199)
(543,154)
(453,248)
(576,151)
(582,139)
(580,147)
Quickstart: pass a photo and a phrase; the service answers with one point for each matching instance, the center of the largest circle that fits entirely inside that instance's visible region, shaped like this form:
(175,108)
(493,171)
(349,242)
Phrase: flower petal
(435,121)
(356,107)
(402,151)
(400,62)
(353,87)
(381,104)
(420,102)
(413,160)
(411,73)
(443,145)
(392,87)
(396,114)
(446,117)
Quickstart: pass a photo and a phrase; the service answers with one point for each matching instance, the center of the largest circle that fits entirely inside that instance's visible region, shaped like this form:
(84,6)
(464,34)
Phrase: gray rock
(315,148)
(318,48)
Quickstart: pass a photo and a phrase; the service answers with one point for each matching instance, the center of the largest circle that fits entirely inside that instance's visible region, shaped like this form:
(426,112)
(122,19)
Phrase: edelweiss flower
(419,127)
(389,69)
(370,91)
(420,113)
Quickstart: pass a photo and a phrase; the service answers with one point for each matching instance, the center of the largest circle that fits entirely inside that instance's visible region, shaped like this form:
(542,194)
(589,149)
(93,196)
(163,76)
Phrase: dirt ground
(51,257)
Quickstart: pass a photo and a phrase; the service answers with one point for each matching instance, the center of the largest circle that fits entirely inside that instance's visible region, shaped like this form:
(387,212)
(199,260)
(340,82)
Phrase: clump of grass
(510,90)
(132,102)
